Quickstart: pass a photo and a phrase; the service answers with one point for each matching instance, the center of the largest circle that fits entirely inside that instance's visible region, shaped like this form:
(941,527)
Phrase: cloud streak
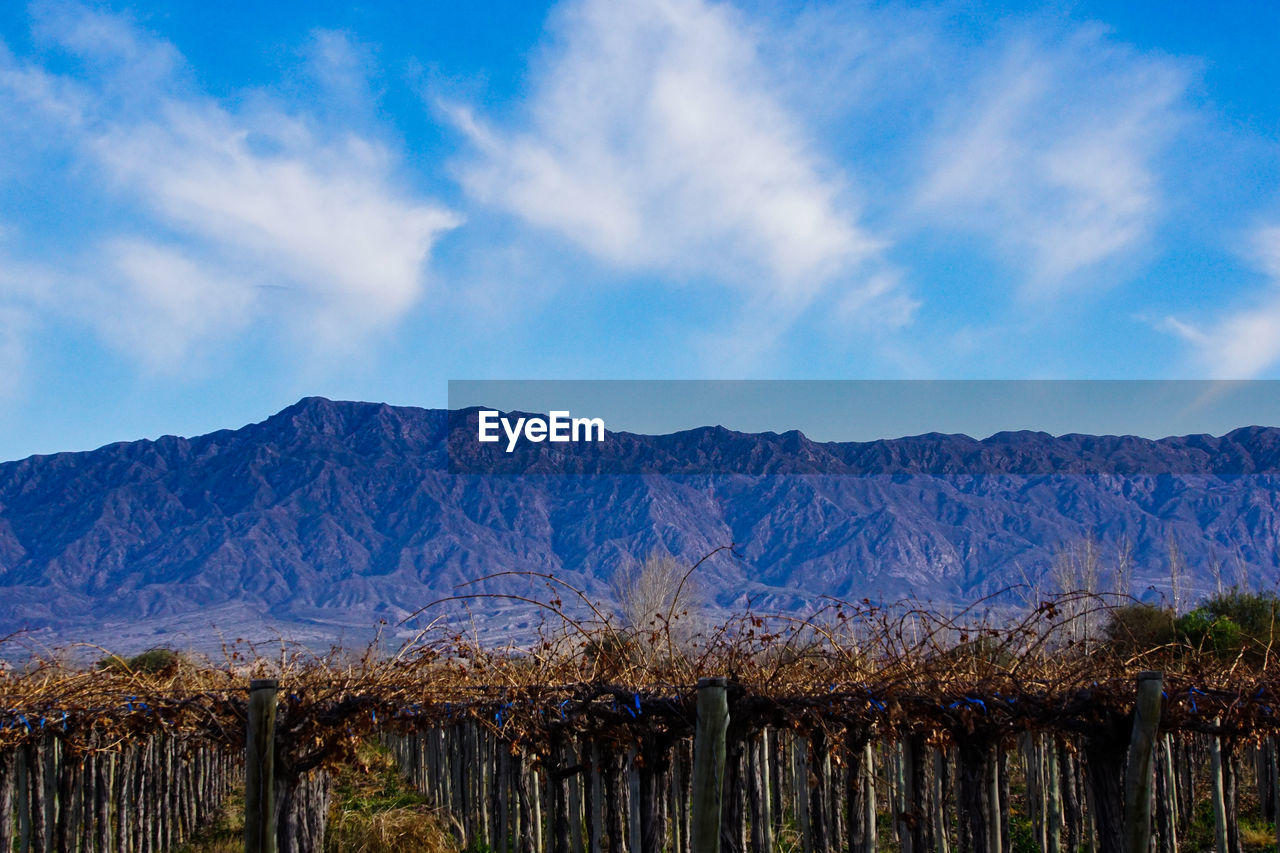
(1051,156)
(774,183)
(13,327)
(322,217)
(654,140)
(1243,343)
(221,201)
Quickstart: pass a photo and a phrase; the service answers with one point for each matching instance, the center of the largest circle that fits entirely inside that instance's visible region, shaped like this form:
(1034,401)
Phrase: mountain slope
(329,516)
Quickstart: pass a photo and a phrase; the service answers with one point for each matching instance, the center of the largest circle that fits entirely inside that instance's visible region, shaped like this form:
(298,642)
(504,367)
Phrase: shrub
(158,661)
(1233,622)
(1136,628)
(1256,613)
(1201,629)
(981,652)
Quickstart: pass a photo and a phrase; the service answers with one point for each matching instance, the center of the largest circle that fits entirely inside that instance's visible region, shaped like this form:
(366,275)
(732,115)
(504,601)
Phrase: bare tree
(1077,569)
(658,597)
(1177,574)
(1124,568)
(1215,569)
(1242,574)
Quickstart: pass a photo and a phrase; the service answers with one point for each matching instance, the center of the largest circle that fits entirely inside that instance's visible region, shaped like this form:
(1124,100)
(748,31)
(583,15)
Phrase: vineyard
(1075,725)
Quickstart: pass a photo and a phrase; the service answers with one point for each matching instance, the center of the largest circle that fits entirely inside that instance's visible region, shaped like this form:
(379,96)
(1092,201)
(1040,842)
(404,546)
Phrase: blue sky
(208,211)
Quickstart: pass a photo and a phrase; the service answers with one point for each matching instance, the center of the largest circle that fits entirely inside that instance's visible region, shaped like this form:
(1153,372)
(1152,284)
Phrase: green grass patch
(1256,834)
(373,810)
(224,835)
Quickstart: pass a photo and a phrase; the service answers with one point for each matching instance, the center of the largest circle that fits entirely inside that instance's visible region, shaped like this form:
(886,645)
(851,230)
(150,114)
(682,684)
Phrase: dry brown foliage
(851,666)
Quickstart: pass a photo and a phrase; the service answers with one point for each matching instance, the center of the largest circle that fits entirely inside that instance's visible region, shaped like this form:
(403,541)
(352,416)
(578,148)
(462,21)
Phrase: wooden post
(595,802)
(708,764)
(1029,744)
(679,804)
(535,807)
(24,800)
(910,821)
(1053,813)
(575,801)
(1217,793)
(1141,771)
(777,791)
(8,770)
(1165,818)
(558,795)
(1104,765)
(835,801)
(733,825)
(527,829)
(101,803)
(995,803)
(800,790)
(816,782)
(259,768)
(651,776)
(633,804)
(758,791)
(938,805)
(897,786)
(39,794)
(870,838)
(615,801)
(1274,769)
(1174,805)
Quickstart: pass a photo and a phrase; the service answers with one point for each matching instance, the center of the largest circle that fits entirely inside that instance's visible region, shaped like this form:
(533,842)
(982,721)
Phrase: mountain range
(329,517)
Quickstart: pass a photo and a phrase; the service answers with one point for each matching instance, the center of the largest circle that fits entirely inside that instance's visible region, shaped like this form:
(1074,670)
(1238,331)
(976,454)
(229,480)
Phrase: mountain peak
(332,513)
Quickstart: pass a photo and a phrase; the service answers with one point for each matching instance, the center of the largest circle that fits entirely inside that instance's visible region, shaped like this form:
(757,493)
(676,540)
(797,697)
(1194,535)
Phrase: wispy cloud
(343,74)
(779,174)
(319,216)
(13,351)
(161,303)
(1052,155)
(1245,342)
(24,290)
(655,141)
(226,199)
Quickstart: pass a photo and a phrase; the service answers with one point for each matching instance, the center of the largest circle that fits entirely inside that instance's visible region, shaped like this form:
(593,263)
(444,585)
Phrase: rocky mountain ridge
(329,516)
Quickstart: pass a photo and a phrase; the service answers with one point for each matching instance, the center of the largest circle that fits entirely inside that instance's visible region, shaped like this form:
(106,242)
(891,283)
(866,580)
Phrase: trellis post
(259,768)
(1217,792)
(708,764)
(1141,771)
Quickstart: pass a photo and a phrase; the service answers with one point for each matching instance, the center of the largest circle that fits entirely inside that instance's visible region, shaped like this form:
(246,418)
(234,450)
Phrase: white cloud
(23,289)
(1052,154)
(163,303)
(129,63)
(229,199)
(1266,250)
(655,141)
(341,66)
(883,304)
(1244,343)
(13,354)
(319,217)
